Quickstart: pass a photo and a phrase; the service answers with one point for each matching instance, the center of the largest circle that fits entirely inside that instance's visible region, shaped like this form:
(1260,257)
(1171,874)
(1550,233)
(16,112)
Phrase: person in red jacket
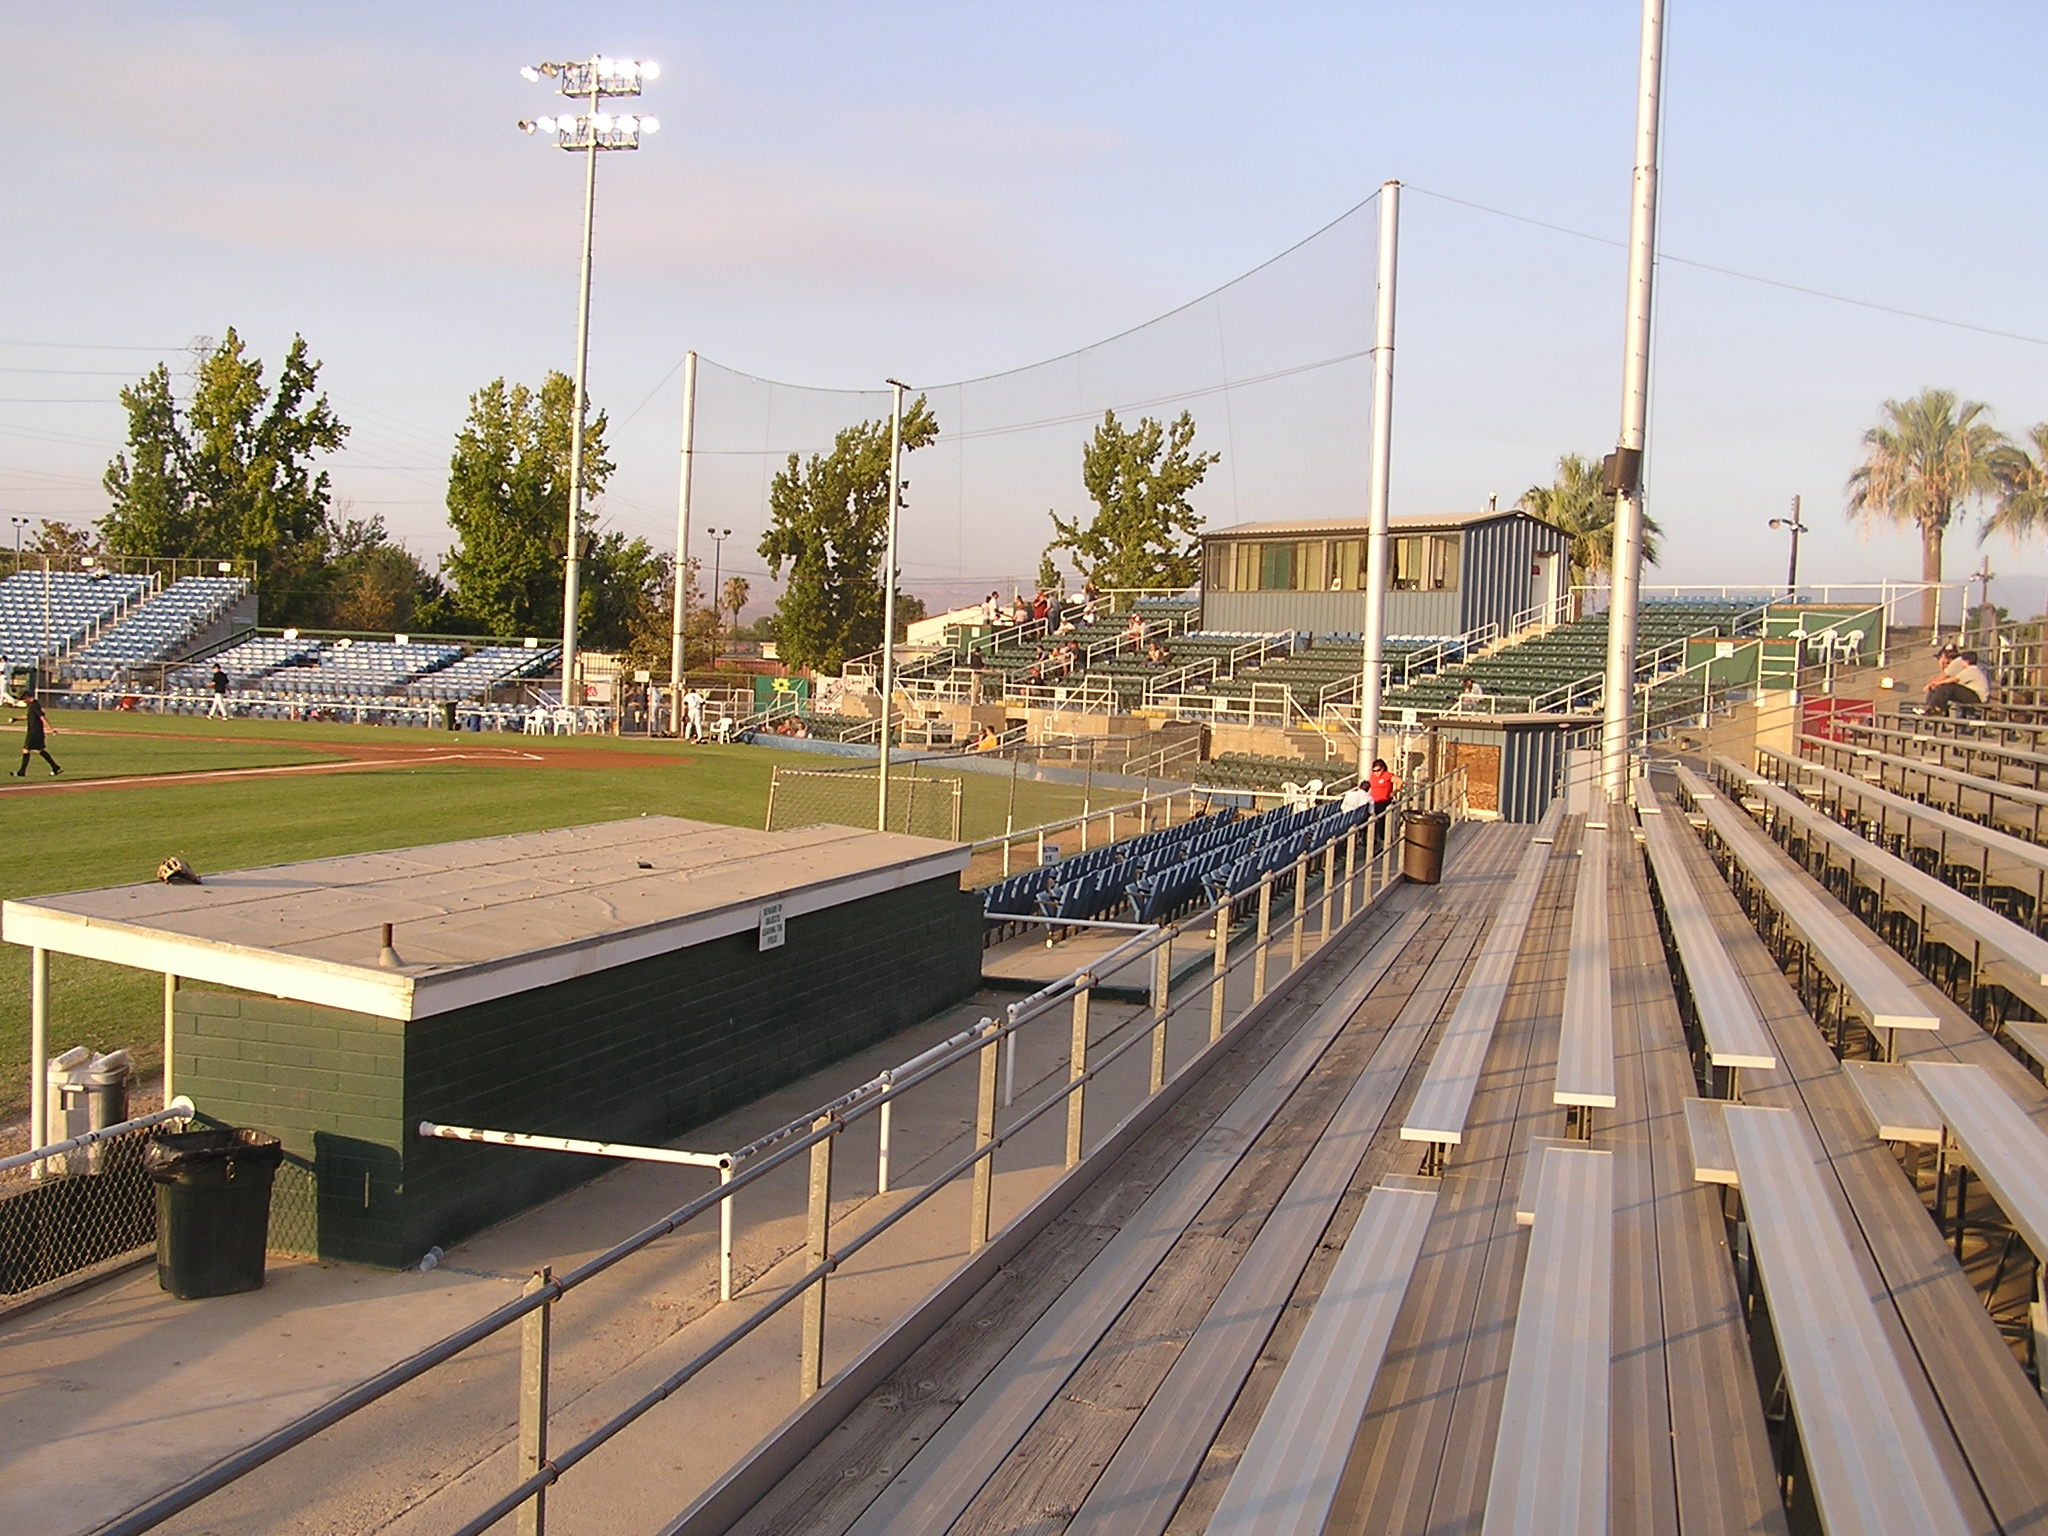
(1380,786)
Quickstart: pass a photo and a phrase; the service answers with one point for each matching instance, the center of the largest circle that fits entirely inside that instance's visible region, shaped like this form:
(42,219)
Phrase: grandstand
(248,661)
(484,669)
(43,614)
(160,628)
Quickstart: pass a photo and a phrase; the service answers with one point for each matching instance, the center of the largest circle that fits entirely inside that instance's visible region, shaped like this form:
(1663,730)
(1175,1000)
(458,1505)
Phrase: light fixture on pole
(19,524)
(718,538)
(889,598)
(1796,528)
(590,82)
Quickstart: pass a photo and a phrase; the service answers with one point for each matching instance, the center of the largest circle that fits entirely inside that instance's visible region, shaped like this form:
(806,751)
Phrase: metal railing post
(1300,906)
(1350,870)
(984,1137)
(1010,1059)
(883,1118)
(534,1332)
(1329,889)
(811,1371)
(1265,936)
(1222,967)
(1162,984)
(725,1234)
(1077,1068)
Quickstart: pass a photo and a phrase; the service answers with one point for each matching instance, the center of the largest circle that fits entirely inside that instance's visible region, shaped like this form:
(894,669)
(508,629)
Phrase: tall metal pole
(682,603)
(1792,572)
(1372,662)
(1625,474)
(889,598)
(572,575)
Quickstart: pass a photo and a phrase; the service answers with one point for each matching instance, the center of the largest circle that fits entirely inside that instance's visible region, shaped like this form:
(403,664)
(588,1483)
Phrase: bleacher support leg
(534,1333)
(1077,1068)
(812,1366)
(1222,967)
(1265,934)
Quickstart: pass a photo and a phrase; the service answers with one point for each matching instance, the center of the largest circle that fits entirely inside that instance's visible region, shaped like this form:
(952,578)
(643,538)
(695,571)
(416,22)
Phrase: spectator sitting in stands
(1960,681)
(1156,655)
(1135,630)
(1471,690)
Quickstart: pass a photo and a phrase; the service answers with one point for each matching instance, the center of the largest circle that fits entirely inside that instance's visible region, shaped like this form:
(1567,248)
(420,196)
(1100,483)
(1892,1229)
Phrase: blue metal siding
(1328,613)
(1532,756)
(1499,579)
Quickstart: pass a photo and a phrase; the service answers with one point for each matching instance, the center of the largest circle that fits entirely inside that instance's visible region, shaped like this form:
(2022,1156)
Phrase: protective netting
(1274,367)
(922,804)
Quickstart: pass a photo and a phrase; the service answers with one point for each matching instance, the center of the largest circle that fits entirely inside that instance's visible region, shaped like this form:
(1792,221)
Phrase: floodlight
(650,125)
(601,121)
(649,70)
(527,125)
(528,72)
(629,124)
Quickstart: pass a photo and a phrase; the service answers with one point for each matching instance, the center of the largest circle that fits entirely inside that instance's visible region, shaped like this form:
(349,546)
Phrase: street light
(718,538)
(19,524)
(590,81)
(1796,528)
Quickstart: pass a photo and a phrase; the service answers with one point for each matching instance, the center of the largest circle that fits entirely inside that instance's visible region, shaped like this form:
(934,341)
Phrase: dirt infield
(351,756)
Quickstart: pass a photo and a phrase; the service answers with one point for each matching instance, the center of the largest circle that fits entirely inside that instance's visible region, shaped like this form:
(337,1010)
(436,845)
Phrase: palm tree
(1575,503)
(736,594)
(1923,461)
(2022,489)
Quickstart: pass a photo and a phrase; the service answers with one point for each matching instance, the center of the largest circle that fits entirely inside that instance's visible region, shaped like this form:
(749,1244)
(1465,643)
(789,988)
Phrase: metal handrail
(179,1108)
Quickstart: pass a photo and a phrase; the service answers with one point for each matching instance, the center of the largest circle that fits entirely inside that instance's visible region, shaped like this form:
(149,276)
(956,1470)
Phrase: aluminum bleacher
(159,627)
(44,613)
(247,662)
(1585,1051)
(352,669)
(486,668)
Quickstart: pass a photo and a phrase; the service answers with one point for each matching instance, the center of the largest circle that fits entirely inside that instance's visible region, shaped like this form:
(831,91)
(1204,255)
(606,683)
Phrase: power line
(1747,277)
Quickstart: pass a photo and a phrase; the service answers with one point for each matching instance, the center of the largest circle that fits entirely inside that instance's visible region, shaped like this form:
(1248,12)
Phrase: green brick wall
(639,1053)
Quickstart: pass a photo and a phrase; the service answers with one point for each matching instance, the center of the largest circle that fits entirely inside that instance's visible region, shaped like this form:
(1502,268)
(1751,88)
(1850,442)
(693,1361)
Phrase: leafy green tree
(910,609)
(1145,532)
(650,637)
(1575,503)
(508,502)
(63,541)
(734,598)
(829,524)
(1927,457)
(2022,489)
(230,475)
(623,580)
(374,585)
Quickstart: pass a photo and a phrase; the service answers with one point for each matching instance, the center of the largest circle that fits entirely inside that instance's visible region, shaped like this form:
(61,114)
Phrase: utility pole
(1797,528)
(1372,661)
(1623,470)
(889,598)
(718,538)
(682,594)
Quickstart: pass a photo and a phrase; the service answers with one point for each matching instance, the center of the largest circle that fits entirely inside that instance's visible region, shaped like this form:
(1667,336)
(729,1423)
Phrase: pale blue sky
(842,193)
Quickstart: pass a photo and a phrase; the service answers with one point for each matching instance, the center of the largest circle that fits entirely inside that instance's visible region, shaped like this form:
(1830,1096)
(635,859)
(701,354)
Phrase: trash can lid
(110,1068)
(68,1066)
(183,1149)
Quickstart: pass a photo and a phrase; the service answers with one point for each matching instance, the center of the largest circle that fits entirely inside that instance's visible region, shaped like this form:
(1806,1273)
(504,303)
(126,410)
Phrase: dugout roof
(475,920)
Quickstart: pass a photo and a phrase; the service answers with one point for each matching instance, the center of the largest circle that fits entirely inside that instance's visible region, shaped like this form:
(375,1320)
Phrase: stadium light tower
(589,82)
(718,538)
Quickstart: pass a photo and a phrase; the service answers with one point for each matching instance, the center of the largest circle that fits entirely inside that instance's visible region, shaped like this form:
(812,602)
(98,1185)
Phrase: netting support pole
(682,600)
(889,598)
(1372,659)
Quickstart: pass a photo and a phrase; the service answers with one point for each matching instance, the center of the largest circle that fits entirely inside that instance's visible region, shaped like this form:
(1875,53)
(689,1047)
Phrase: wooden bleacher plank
(1142,1485)
(1729,1020)
(1899,1107)
(2001,1144)
(1287,1478)
(1445,1099)
(1549,1474)
(1885,1000)
(1971,1381)
(929,1493)
(2014,954)
(1690,1448)
(1585,1052)
(1873,1465)
(1434,1409)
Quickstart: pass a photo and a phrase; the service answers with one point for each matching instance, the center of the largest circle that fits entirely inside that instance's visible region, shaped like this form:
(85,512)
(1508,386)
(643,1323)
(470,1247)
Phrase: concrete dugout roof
(475,920)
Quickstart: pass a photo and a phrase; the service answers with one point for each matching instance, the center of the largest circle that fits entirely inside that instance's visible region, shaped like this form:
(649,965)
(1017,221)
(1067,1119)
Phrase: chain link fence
(925,805)
(92,1204)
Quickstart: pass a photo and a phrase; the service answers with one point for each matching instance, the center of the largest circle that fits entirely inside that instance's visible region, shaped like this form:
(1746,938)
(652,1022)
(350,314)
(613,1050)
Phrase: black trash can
(1422,845)
(212,1209)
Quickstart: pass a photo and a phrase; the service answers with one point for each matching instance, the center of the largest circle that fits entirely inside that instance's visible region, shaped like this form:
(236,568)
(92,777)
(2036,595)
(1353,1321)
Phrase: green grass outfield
(118,834)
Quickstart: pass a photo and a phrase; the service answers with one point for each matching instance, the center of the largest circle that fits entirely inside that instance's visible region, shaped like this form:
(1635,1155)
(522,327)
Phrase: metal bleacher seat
(1728,1016)
(1887,1002)
(2009,952)
(1550,1455)
(1872,1463)
(1585,1050)
(1286,1480)
(2003,1145)
(1437,1115)
(1958,783)
(1899,1108)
